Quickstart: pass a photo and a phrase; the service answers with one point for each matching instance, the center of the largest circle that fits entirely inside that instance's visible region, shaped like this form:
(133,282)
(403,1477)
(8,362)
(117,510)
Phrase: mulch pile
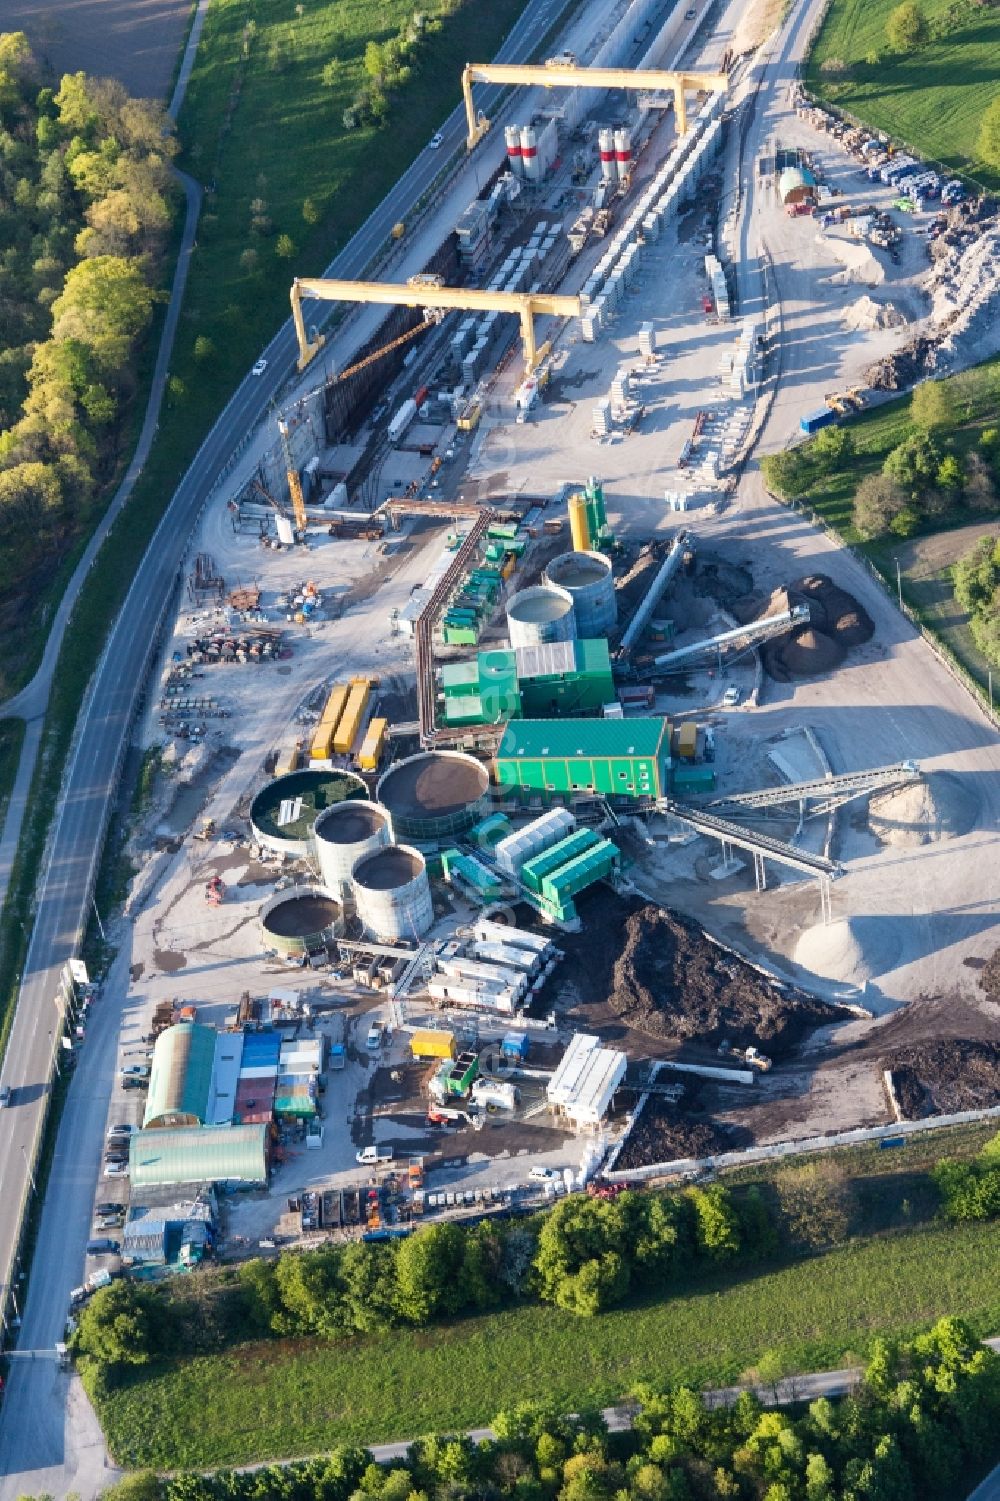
(941,1077)
(665,1132)
(836,623)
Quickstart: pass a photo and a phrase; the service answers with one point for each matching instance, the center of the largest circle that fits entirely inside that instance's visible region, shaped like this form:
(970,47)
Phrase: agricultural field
(135,41)
(932,98)
(297,1397)
(287,183)
(926,564)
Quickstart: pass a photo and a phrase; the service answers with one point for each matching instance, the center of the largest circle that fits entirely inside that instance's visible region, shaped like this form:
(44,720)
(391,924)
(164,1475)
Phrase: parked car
(103,1247)
(109,1221)
(731,698)
(116,1169)
(374,1040)
(134,1071)
(121,1128)
(131,1082)
(109,1207)
(539,1174)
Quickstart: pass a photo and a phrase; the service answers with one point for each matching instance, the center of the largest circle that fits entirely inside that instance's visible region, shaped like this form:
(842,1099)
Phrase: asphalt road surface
(63,895)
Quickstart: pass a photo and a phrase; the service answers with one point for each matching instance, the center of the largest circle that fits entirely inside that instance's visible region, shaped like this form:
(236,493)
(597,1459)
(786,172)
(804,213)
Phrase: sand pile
(858,260)
(925,812)
(851,950)
(807,652)
(867,314)
(832,609)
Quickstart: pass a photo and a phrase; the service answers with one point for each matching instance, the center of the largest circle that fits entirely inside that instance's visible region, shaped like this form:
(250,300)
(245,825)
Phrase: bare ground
(136,41)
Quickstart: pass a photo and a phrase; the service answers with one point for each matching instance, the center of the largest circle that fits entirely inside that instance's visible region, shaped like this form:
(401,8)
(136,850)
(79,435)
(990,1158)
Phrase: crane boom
(557,74)
(294,483)
(427,292)
(384,349)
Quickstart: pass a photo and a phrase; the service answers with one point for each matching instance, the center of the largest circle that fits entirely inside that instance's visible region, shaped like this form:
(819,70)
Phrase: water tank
(539,615)
(342,835)
(588,579)
(392,893)
(301,920)
(434,795)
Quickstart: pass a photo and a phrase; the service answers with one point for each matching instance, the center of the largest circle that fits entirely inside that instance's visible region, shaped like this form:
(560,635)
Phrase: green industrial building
(616,757)
(561,677)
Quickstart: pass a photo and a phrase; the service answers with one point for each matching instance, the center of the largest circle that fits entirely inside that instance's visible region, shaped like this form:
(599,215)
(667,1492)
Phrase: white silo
(529,153)
(588,579)
(512,135)
(539,615)
(343,834)
(606,148)
(392,893)
(623,154)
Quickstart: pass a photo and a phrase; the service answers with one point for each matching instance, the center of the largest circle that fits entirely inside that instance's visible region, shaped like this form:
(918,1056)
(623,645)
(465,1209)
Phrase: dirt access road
(136,41)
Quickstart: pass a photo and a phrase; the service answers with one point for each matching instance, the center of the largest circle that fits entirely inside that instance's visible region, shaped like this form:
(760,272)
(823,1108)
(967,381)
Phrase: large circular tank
(343,834)
(539,615)
(301,920)
(318,790)
(392,893)
(434,795)
(588,579)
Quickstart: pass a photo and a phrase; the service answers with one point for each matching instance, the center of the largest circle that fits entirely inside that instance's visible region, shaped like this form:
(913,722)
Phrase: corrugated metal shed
(254,1099)
(181,1076)
(199,1154)
(511,853)
(225,1077)
(261,1048)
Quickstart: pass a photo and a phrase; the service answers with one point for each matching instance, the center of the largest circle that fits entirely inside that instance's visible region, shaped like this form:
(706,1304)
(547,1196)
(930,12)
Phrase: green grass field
(11,737)
(932,99)
(875,434)
(274,1400)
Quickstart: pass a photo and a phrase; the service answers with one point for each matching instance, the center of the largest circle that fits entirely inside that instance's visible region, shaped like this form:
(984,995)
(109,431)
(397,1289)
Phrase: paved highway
(88,790)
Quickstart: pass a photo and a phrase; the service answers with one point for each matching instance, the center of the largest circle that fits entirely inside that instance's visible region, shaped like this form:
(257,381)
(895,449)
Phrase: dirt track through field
(136,41)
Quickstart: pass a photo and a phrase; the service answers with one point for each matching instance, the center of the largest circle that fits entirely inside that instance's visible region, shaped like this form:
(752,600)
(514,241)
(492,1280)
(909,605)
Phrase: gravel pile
(926,812)
(851,950)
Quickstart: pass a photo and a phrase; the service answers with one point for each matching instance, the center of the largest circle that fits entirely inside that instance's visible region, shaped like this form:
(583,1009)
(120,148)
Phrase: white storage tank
(343,834)
(539,615)
(392,893)
(588,579)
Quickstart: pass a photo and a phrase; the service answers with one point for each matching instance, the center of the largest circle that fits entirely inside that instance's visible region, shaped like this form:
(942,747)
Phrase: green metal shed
(180,1078)
(627,758)
(199,1154)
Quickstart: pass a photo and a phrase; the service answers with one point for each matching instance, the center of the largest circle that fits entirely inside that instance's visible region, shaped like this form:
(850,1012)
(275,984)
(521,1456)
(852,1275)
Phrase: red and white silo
(529,153)
(623,154)
(512,135)
(606,147)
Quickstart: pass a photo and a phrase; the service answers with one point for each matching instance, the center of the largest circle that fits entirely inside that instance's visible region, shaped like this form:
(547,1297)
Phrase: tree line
(85,210)
(977,589)
(584,1255)
(923,1420)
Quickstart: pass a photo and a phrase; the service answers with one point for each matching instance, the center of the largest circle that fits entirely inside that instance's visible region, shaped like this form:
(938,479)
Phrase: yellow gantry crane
(560,73)
(430,292)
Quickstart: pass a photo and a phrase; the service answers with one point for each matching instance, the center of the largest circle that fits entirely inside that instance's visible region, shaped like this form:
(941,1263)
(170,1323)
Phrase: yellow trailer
(350,723)
(288,758)
(687,740)
(322,743)
(371,747)
(430,1044)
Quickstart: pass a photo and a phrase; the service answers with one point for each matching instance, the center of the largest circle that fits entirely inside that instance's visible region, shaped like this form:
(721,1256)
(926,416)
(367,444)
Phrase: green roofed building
(232,1155)
(180,1079)
(560,677)
(627,758)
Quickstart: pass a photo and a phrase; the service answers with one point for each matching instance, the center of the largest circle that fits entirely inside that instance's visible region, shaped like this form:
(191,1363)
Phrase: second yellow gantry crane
(429,292)
(559,73)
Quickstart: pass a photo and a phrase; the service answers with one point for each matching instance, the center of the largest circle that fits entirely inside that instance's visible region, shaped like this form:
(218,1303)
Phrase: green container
(576,875)
(693,778)
(457,635)
(534,872)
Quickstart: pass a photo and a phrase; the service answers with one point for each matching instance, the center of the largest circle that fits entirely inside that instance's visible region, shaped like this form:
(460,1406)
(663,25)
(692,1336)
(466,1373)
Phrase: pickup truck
(373,1156)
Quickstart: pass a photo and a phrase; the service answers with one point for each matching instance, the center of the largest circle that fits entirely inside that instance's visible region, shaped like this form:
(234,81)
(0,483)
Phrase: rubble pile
(964,285)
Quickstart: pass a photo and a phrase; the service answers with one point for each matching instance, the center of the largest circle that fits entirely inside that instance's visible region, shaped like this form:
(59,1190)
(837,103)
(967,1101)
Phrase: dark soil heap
(941,1077)
(666,1131)
(669,980)
(836,623)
